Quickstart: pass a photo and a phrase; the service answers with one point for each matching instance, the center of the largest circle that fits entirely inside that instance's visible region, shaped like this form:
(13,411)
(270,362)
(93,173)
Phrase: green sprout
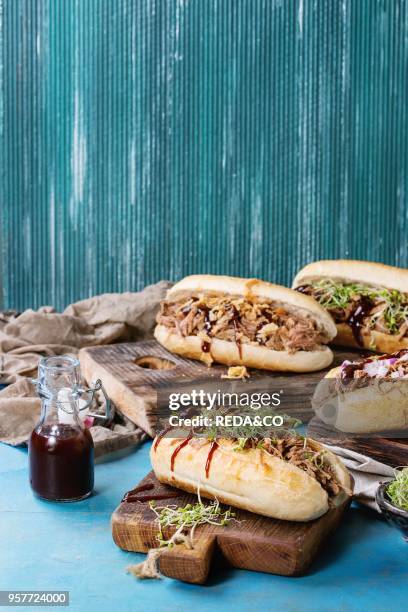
(397,490)
(331,295)
(188,518)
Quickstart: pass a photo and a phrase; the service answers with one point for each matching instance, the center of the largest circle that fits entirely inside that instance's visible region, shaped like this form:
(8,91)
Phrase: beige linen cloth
(24,339)
(367,473)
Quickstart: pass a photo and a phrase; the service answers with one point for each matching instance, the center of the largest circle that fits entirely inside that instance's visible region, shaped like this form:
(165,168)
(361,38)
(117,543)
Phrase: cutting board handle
(189,564)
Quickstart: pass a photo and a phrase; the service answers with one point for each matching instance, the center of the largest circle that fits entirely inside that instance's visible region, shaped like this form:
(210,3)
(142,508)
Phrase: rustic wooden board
(254,543)
(392,451)
(134,388)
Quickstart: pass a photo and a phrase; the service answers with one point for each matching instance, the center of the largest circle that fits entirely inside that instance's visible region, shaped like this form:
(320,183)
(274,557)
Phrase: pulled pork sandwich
(290,478)
(366,396)
(368,301)
(235,321)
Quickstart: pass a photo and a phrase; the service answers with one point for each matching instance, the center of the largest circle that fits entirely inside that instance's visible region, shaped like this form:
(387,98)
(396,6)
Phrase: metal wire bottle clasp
(98,386)
(59,380)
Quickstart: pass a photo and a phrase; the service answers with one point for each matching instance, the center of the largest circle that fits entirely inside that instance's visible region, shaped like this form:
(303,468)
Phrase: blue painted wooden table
(69,547)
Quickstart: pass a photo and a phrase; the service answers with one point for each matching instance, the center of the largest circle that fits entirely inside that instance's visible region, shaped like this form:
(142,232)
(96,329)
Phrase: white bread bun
(365,272)
(228,353)
(363,410)
(251,479)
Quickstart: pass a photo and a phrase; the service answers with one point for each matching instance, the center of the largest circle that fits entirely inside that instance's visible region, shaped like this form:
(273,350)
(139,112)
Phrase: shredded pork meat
(242,321)
(372,312)
(299,452)
(391,367)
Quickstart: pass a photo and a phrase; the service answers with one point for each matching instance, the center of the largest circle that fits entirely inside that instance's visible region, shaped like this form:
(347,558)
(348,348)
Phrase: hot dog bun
(353,271)
(252,356)
(229,353)
(251,479)
(370,274)
(371,409)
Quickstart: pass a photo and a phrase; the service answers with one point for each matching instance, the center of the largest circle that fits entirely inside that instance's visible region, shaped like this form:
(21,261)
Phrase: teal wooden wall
(144,139)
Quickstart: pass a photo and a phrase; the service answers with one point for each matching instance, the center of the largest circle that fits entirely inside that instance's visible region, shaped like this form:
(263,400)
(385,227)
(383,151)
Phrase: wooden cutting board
(254,542)
(135,373)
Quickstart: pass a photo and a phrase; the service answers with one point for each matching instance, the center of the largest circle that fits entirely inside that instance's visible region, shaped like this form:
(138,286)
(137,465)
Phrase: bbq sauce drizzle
(134,495)
(211,452)
(208,325)
(235,321)
(137,494)
(160,437)
(206,346)
(347,372)
(131,495)
(178,449)
(303,289)
(355,320)
(213,448)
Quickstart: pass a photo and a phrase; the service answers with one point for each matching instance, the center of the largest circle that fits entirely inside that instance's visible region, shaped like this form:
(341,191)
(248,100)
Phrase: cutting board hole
(154,363)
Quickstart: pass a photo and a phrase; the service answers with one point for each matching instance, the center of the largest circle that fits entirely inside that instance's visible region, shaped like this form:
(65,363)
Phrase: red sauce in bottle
(177,450)
(61,462)
(211,452)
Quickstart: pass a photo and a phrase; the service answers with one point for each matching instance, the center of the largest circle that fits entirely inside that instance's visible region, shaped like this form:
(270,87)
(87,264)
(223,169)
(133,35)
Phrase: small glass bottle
(61,450)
